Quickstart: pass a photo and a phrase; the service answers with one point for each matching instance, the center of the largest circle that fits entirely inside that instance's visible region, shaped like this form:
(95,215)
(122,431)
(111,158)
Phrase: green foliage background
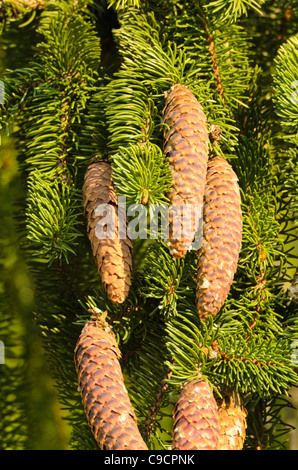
(30,411)
(30,399)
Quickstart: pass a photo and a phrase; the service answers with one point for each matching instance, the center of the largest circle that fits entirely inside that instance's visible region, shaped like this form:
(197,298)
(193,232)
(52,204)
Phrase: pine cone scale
(222,234)
(108,408)
(232,422)
(196,422)
(112,254)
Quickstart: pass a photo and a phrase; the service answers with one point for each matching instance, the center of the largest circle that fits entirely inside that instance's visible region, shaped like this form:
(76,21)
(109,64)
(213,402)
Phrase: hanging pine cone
(28,3)
(113,255)
(232,422)
(196,423)
(186,145)
(108,408)
(222,234)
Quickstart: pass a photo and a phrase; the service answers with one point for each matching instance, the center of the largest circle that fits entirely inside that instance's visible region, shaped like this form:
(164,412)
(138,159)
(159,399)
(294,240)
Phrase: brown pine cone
(222,234)
(186,145)
(108,408)
(196,423)
(112,255)
(27,3)
(232,422)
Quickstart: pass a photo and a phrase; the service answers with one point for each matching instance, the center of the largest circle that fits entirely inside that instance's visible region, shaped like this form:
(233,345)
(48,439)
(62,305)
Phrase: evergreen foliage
(96,86)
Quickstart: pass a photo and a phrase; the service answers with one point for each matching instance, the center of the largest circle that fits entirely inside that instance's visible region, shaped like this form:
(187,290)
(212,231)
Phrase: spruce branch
(15,421)
(18,88)
(157,60)
(260,365)
(285,85)
(211,46)
(224,51)
(267,428)
(165,278)
(158,402)
(52,217)
(130,111)
(141,174)
(230,11)
(123,4)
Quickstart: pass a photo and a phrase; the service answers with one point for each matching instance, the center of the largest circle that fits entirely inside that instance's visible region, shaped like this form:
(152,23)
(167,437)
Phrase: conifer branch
(231,12)
(156,406)
(211,46)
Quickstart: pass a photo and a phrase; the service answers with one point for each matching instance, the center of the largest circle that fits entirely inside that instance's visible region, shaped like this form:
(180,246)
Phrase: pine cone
(113,255)
(186,145)
(28,3)
(222,234)
(196,423)
(232,422)
(108,408)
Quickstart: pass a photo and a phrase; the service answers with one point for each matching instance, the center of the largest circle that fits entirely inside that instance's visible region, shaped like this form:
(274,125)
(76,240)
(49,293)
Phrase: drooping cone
(196,422)
(232,422)
(28,3)
(112,253)
(222,235)
(108,408)
(186,146)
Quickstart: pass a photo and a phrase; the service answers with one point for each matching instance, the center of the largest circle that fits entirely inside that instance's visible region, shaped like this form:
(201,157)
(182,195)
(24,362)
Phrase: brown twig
(285,23)
(215,66)
(157,403)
